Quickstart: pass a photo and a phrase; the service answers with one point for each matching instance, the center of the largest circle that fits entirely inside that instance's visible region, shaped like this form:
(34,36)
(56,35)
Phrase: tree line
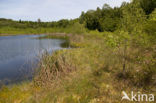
(101,19)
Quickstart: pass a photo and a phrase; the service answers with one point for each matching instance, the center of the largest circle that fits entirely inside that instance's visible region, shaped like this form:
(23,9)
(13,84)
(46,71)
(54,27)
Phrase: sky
(50,10)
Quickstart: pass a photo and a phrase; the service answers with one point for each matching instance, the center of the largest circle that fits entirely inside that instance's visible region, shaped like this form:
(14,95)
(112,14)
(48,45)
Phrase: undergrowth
(90,73)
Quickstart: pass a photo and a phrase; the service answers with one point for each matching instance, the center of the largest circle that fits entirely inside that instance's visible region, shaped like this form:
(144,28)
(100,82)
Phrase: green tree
(151,24)
(39,20)
(132,24)
(133,18)
(153,15)
(82,18)
(148,5)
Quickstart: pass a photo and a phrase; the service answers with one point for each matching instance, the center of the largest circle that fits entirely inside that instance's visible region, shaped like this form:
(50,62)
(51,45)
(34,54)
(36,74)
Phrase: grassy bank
(91,73)
(76,28)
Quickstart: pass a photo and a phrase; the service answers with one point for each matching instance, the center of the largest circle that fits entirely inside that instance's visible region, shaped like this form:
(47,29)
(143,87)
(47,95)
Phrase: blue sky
(49,10)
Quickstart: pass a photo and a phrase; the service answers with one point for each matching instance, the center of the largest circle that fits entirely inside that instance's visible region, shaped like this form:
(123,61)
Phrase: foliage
(133,18)
(105,19)
(153,15)
(148,5)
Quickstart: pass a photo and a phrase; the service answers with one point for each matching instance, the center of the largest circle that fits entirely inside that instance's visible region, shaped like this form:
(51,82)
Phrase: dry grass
(92,72)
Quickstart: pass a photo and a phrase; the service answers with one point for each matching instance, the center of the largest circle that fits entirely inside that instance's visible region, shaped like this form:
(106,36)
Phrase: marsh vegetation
(113,51)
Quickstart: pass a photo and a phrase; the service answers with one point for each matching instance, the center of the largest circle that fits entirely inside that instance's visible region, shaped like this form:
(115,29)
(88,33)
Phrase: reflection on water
(18,55)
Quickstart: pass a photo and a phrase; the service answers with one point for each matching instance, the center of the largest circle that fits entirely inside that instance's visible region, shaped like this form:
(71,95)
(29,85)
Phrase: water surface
(19,54)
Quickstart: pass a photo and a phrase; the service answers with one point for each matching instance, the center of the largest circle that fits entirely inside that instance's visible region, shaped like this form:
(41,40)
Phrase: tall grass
(93,71)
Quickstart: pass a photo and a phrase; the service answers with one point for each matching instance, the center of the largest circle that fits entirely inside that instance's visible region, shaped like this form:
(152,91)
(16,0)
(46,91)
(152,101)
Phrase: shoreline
(47,35)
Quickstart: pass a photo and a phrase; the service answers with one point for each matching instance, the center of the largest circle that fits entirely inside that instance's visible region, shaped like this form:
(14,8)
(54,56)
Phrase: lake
(19,55)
